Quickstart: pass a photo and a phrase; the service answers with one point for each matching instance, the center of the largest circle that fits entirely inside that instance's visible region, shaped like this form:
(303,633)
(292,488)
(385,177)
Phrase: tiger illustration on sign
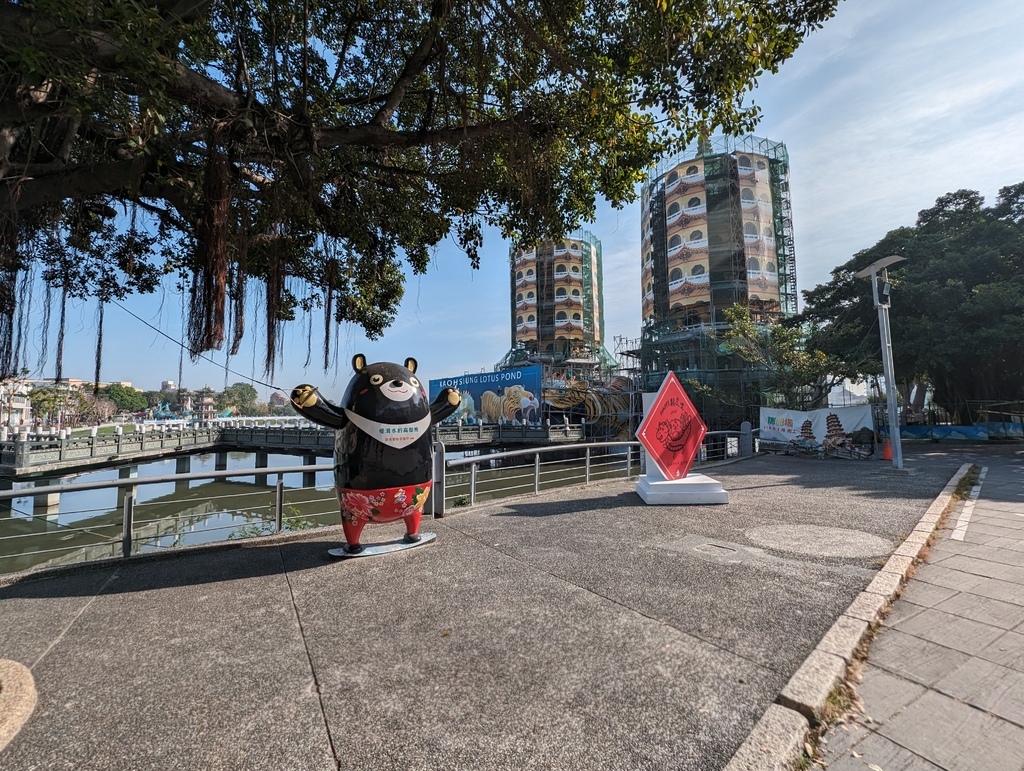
(514,404)
(605,411)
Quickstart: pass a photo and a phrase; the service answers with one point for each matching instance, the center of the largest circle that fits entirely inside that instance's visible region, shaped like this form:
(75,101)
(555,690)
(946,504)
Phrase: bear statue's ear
(410,364)
(359,362)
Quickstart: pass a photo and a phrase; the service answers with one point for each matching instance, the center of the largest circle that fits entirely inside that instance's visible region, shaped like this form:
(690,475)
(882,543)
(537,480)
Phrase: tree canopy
(241,396)
(796,375)
(957,314)
(313,147)
(127,399)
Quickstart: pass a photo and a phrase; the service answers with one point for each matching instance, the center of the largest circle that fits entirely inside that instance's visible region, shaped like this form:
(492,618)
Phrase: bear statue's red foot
(412,526)
(353,530)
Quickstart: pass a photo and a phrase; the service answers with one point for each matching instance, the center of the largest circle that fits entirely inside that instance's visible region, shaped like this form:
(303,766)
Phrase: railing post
(21,454)
(472,483)
(536,473)
(279,504)
(746,439)
(587,467)
(629,460)
(437,491)
(128,524)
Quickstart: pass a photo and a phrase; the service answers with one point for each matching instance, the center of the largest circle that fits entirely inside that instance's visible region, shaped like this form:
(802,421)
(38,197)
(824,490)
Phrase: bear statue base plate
(377,549)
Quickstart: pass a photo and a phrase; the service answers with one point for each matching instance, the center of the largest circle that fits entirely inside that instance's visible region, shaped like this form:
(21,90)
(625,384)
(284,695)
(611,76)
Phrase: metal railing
(469,480)
(23,453)
(135,526)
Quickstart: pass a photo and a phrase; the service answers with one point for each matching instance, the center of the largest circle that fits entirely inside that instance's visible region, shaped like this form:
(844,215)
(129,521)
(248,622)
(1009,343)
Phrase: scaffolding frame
(731,389)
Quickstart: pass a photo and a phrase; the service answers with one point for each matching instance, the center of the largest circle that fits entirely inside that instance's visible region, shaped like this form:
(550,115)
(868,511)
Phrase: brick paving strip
(943,684)
(778,740)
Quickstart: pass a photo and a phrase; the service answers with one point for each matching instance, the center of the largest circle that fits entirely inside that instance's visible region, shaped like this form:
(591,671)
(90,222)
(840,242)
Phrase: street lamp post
(879,274)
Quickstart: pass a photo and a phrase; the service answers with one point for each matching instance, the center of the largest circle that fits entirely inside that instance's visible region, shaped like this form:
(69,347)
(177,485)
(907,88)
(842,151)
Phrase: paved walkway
(578,629)
(943,686)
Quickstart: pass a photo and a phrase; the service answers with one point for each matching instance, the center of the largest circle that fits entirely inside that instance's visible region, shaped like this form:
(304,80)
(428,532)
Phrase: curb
(777,740)
(17,699)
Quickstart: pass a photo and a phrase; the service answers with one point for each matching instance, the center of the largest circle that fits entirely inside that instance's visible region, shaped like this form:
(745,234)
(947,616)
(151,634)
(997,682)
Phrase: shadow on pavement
(231,563)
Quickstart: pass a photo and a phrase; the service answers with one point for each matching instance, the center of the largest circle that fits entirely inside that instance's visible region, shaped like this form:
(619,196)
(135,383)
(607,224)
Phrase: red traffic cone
(886,450)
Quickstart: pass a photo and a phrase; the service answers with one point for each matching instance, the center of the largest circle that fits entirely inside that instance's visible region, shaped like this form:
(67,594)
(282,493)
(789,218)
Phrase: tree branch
(415,65)
(372,135)
(567,65)
(24,27)
(108,178)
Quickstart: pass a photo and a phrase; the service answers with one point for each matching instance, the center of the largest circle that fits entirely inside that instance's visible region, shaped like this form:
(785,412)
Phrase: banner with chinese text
(830,428)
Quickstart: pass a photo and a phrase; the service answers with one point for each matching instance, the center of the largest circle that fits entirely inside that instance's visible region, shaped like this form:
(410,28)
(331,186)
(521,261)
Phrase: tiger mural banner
(510,396)
(605,410)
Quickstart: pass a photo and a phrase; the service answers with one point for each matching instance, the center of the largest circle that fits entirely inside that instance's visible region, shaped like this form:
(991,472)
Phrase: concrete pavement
(578,629)
(943,684)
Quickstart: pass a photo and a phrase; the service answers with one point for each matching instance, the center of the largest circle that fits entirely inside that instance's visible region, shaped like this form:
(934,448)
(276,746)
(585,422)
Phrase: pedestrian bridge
(26,456)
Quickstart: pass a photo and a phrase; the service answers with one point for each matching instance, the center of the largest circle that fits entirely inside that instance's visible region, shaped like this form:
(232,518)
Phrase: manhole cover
(815,540)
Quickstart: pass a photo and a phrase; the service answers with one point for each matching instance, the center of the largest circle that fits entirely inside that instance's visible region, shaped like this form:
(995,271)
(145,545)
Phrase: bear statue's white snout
(398,391)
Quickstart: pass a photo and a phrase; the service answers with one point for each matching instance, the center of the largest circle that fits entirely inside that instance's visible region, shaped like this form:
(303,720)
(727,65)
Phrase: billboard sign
(509,396)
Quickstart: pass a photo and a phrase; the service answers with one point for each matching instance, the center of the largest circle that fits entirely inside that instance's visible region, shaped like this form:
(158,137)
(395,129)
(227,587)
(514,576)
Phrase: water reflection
(88,524)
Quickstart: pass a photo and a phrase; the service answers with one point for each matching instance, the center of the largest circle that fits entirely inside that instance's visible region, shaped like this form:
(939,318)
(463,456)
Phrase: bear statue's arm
(444,405)
(311,405)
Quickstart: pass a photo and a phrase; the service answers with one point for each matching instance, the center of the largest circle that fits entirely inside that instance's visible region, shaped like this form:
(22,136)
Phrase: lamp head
(879,265)
(884,290)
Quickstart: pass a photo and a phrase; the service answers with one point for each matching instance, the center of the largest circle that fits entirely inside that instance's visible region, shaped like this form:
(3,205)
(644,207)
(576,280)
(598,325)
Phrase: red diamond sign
(672,431)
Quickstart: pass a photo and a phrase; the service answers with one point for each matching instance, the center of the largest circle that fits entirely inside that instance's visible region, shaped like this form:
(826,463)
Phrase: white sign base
(693,489)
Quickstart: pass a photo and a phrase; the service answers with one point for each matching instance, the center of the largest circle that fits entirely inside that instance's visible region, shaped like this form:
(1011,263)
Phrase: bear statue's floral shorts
(383,505)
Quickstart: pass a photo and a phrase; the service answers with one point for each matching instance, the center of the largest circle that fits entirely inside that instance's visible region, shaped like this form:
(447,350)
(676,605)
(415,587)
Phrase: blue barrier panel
(1001,430)
(979,433)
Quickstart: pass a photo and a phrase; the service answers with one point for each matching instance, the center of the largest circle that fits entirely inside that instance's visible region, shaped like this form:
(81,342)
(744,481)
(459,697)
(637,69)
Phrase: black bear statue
(383,466)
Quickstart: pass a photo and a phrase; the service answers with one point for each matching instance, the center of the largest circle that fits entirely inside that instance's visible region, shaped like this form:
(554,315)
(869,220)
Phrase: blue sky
(889,106)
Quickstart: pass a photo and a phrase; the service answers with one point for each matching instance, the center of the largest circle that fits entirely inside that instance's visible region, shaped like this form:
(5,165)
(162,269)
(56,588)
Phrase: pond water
(87,524)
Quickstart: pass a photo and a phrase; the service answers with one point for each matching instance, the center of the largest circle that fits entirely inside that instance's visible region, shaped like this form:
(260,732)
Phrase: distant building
(717,231)
(278,399)
(77,383)
(206,406)
(15,406)
(168,385)
(557,305)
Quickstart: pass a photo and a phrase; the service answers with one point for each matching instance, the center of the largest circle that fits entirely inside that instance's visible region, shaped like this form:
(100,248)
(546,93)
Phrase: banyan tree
(313,151)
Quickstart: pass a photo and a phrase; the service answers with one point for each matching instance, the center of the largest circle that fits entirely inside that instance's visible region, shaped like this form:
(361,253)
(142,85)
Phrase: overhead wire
(198,356)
